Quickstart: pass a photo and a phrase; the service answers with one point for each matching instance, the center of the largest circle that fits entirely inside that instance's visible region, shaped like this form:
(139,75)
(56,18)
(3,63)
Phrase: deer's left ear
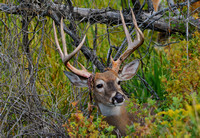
(129,70)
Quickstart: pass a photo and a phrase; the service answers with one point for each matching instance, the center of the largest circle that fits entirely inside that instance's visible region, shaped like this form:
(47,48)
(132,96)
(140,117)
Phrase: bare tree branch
(104,16)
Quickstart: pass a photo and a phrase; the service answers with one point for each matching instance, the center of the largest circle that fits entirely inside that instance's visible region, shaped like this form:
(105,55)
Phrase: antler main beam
(132,45)
(65,56)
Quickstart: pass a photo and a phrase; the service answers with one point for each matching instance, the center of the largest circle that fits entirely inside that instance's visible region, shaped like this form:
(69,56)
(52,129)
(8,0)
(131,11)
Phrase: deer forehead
(107,76)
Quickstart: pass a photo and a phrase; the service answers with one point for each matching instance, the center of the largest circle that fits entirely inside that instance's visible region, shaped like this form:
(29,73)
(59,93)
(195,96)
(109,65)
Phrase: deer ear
(129,70)
(76,80)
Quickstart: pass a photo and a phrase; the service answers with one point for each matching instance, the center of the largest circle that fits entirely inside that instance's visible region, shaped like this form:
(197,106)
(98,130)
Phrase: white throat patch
(109,110)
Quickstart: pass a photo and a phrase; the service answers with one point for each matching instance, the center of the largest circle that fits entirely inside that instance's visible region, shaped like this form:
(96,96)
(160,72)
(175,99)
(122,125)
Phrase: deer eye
(119,82)
(99,86)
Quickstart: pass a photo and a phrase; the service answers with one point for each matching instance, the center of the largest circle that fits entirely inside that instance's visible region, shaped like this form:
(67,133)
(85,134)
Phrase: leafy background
(36,98)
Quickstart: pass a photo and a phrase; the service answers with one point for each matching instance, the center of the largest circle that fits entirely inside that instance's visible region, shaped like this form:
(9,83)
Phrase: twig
(187,32)
(149,87)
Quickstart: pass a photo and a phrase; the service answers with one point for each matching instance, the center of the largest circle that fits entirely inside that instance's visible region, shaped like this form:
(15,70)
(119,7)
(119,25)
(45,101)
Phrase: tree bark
(103,16)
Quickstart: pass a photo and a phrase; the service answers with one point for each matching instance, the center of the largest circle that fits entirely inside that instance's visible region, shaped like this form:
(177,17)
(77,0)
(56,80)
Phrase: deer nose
(118,98)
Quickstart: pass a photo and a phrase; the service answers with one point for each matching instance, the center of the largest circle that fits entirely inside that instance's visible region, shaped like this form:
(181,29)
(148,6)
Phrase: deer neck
(116,116)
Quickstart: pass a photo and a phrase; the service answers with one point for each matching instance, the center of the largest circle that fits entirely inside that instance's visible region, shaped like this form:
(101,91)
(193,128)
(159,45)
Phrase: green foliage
(173,76)
(178,115)
(182,122)
(79,125)
(153,72)
(185,72)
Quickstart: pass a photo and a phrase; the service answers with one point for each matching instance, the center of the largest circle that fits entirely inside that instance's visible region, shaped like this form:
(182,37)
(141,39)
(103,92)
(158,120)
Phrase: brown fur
(110,78)
(156,4)
(121,121)
(106,76)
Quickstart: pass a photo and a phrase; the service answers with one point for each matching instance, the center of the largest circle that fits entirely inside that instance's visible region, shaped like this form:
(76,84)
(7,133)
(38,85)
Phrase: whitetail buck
(107,92)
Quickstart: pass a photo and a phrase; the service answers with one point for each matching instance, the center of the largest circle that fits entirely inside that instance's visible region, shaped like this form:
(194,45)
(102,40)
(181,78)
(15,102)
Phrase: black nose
(119,98)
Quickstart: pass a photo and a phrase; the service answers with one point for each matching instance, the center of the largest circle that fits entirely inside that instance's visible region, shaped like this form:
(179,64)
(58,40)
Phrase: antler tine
(66,57)
(63,36)
(57,43)
(132,45)
(139,34)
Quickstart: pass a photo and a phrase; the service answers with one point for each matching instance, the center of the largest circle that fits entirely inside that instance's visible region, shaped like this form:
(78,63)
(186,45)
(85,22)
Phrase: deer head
(106,88)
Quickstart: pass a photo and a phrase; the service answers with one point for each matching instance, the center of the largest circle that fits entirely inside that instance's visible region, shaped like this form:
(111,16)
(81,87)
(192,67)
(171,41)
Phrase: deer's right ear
(76,80)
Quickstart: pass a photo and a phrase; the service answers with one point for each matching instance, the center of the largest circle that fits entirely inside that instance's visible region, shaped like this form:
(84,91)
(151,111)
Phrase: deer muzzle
(118,99)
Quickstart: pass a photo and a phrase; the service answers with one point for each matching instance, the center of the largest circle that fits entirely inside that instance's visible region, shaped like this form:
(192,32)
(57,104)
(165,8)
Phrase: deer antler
(65,56)
(132,46)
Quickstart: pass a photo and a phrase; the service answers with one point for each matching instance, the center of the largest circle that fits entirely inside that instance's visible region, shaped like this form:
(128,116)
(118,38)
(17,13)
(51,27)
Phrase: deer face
(107,89)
